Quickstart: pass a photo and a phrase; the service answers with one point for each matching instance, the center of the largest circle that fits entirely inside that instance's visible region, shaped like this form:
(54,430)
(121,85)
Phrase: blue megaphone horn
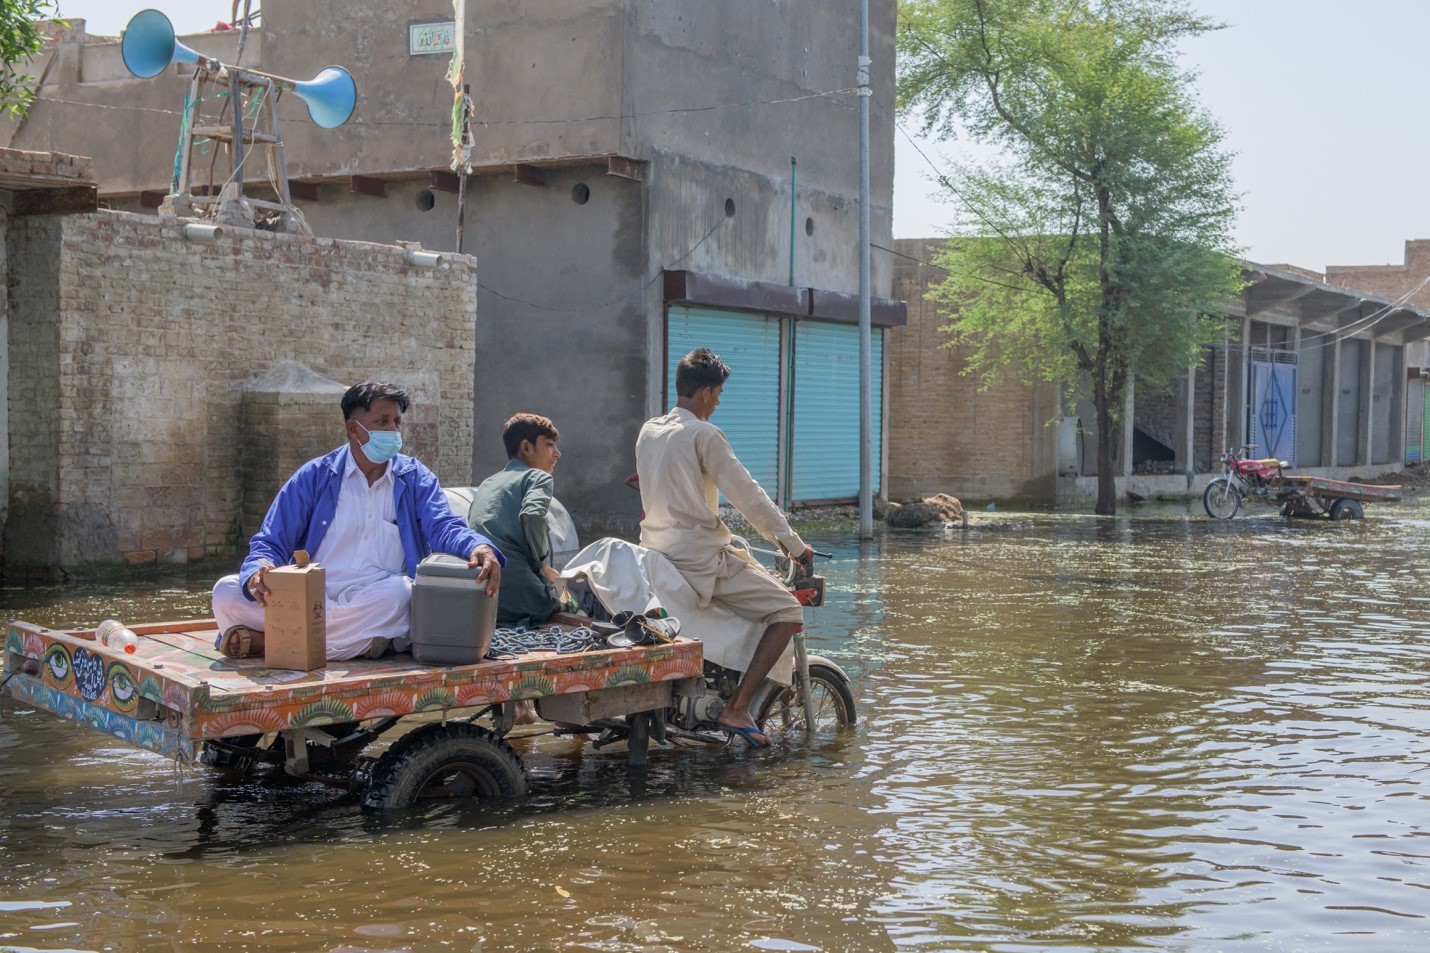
(331,96)
(149,47)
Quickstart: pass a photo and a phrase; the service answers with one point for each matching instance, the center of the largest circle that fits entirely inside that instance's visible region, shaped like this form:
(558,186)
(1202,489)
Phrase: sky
(1319,99)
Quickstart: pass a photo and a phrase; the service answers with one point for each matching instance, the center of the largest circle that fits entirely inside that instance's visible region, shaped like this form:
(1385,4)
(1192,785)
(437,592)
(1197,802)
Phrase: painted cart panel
(178,690)
(1341,490)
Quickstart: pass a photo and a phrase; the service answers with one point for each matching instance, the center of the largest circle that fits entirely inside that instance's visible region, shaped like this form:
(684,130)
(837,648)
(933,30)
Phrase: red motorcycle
(1261,480)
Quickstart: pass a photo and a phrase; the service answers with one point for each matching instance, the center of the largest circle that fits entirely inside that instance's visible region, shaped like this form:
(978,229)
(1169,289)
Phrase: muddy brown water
(1145,732)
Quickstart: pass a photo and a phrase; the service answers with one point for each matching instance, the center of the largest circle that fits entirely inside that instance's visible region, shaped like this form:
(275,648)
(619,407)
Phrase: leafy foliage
(21,37)
(1099,247)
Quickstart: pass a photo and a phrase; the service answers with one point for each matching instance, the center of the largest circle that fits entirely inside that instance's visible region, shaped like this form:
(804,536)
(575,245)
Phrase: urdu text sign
(424,38)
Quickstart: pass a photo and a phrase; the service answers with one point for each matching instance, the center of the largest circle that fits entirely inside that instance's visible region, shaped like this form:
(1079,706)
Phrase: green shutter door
(749,404)
(1416,403)
(826,410)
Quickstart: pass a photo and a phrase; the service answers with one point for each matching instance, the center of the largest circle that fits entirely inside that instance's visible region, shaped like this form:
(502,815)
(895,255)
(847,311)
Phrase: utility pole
(866,429)
(463,166)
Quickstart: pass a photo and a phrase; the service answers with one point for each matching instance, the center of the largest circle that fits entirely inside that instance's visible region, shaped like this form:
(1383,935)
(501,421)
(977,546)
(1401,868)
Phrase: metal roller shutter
(749,404)
(826,410)
(1416,403)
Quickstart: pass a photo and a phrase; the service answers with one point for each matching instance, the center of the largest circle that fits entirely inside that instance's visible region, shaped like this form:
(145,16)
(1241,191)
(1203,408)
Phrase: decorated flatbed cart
(1245,478)
(176,695)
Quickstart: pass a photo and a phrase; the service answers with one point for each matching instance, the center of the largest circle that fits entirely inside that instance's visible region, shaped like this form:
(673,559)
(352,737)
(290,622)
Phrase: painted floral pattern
(198,694)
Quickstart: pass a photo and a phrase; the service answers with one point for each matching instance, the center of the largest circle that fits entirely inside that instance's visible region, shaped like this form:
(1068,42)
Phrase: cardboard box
(295,621)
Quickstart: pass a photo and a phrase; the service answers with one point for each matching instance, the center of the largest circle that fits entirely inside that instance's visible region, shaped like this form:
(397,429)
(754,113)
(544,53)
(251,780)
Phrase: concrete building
(1310,372)
(32,185)
(149,422)
(1408,281)
(634,191)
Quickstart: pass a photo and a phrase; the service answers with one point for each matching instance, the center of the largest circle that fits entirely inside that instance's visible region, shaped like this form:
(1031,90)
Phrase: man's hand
(550,574)
(257,587)
(486,557)
(806,558)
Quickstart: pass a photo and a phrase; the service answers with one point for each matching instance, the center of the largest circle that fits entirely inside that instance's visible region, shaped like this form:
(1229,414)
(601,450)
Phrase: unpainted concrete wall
(130,352)
(714,98)
(564,330)
(739,83)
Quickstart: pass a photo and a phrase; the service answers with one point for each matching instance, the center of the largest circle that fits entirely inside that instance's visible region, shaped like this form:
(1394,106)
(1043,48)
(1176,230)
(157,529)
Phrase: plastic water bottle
(115,635)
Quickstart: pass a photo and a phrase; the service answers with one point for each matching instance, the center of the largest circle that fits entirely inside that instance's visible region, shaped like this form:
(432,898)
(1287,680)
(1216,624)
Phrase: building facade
(1408,281)
(647,175)
(1313,373)
(156,405)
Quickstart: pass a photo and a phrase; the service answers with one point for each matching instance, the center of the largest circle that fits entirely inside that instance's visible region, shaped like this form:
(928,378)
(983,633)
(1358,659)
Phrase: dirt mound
(939,508)
(1415,475)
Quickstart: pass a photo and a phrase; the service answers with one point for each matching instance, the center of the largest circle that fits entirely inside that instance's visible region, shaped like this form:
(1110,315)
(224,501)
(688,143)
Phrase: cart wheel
(1347,510)
(781,715)
(1221,500)
(438,762)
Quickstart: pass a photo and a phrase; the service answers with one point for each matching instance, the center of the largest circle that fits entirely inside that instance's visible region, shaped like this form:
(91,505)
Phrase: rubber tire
(1220,484)
(781,716)
(468,760)
(1347,510)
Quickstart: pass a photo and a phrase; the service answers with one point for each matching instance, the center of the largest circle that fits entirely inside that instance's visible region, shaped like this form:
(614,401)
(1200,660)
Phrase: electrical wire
(504,122)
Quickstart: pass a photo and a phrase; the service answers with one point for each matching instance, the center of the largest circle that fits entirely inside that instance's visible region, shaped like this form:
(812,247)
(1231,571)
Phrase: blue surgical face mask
(382,445)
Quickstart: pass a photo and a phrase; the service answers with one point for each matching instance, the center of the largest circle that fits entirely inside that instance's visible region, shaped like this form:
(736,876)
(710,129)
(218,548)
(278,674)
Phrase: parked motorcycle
(1244,477)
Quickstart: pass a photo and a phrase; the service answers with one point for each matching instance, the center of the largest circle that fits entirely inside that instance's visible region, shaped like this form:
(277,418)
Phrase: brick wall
(1390,281)
(945,433)
(1208,427)
(132,349)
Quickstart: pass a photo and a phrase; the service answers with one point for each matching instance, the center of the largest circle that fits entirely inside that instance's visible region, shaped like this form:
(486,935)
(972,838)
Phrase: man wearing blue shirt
(368,515)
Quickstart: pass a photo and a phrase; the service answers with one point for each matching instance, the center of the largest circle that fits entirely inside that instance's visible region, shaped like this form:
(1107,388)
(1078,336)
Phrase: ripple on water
(1149,732)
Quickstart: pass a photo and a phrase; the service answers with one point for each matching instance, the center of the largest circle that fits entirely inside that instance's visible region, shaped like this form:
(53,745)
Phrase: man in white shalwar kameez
(684,463)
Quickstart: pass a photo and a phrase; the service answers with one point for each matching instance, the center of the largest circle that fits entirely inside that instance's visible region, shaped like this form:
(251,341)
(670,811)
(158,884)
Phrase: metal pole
(866,430)
(793,167)
(805,696)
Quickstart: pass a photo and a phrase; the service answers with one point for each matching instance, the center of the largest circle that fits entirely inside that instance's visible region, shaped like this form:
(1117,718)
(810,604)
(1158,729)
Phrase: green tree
(1097,247)
(21,37)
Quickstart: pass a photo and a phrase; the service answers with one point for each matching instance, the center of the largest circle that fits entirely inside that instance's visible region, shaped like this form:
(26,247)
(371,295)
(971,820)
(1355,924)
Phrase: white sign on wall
(423,38)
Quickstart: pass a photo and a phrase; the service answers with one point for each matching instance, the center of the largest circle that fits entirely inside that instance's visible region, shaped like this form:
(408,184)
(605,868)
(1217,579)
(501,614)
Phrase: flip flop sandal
(746,733)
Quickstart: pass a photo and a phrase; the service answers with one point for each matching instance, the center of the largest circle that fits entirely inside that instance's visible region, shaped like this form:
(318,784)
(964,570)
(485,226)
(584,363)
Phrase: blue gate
(826,410)
(750,403)
(1272,407)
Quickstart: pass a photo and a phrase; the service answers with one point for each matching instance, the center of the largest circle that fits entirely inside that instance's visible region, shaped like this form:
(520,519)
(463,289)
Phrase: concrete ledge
(1082,490)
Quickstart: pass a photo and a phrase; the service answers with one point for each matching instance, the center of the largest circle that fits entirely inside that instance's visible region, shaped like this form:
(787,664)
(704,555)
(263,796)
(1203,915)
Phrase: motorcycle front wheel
(1221,499)
(782,717)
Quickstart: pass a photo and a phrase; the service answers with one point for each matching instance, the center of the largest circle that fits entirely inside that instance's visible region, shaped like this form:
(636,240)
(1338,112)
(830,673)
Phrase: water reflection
(1080,733)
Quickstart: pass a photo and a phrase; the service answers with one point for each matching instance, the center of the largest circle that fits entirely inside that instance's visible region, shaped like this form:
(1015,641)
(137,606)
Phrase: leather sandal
(241,642)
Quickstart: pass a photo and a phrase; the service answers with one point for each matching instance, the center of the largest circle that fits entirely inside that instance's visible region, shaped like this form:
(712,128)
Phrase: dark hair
(526,427)
(362,395)
(702,367)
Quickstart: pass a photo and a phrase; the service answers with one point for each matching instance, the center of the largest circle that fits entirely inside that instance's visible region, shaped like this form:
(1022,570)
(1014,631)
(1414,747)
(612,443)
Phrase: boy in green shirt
(510,508)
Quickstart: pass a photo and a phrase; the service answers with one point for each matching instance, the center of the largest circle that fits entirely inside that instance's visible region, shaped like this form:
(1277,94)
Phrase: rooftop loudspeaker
(149,47)
(331,96)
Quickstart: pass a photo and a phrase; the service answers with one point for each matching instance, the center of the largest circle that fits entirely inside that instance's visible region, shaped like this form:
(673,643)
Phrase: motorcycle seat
(1271,462)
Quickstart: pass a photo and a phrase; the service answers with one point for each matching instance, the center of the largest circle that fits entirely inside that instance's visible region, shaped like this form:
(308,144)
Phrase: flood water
(1144,732)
